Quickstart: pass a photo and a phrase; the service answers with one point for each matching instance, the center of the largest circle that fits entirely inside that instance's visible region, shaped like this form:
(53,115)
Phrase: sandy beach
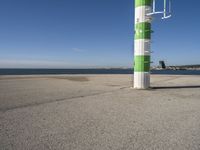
(99,112)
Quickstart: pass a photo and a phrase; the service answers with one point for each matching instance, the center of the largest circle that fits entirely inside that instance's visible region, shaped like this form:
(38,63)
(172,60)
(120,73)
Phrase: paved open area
(99,112)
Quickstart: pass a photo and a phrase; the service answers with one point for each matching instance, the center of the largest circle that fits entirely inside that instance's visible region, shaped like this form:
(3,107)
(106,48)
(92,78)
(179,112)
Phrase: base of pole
(141,80)
(149,88)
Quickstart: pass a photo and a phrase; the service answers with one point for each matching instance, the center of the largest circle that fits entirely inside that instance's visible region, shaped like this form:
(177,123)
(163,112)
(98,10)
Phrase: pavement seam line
(58,100)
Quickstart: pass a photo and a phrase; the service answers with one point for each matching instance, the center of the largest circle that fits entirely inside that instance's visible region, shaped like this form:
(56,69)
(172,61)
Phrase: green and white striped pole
(142,44)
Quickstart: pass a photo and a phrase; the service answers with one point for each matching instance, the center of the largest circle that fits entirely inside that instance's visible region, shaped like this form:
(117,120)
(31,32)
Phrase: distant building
(162,65)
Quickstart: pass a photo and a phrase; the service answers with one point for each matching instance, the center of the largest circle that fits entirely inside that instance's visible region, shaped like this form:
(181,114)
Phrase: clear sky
(91,33)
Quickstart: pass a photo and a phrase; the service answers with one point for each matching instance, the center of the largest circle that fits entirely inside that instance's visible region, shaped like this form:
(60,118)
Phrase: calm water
(90,71)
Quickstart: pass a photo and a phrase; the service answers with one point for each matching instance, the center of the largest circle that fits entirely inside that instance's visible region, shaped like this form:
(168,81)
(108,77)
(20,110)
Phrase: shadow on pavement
(177,87)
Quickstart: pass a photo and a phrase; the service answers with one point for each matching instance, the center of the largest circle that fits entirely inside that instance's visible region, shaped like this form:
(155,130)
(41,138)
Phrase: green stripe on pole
(143,30)
(143,3)
(142,63)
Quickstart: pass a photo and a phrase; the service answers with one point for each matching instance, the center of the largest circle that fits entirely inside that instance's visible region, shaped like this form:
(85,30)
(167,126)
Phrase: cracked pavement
(83,112)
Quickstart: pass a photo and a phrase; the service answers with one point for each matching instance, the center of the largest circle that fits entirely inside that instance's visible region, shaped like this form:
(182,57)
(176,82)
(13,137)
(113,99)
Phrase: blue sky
(91,33)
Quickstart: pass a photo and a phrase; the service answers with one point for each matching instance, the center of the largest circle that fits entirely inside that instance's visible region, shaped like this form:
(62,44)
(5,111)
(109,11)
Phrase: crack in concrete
(56,100)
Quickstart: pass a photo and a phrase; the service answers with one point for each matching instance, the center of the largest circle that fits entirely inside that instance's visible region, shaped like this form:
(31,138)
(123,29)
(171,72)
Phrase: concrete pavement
(99,112)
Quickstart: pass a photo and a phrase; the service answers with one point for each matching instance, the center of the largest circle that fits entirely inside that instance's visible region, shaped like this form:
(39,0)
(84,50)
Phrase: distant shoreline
(90,71)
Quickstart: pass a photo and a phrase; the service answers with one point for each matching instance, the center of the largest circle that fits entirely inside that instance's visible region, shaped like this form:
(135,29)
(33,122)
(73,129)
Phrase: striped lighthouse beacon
(144,12)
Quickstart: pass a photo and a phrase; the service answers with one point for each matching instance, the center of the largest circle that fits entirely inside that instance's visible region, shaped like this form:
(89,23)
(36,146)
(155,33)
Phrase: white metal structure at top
(166,14)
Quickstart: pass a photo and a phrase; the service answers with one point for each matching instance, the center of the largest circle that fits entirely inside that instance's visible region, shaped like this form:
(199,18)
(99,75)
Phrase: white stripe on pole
(142,47)
(140,14)
(141,80)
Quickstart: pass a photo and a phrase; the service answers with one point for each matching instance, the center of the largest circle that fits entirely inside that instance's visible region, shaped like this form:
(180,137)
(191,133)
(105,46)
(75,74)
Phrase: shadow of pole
(177,87)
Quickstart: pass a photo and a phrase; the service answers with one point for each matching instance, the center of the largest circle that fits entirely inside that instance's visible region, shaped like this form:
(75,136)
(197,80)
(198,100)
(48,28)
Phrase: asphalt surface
(99,112)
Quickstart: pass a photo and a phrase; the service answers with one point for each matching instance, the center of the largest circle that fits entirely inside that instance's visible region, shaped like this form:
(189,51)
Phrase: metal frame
(166,14)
